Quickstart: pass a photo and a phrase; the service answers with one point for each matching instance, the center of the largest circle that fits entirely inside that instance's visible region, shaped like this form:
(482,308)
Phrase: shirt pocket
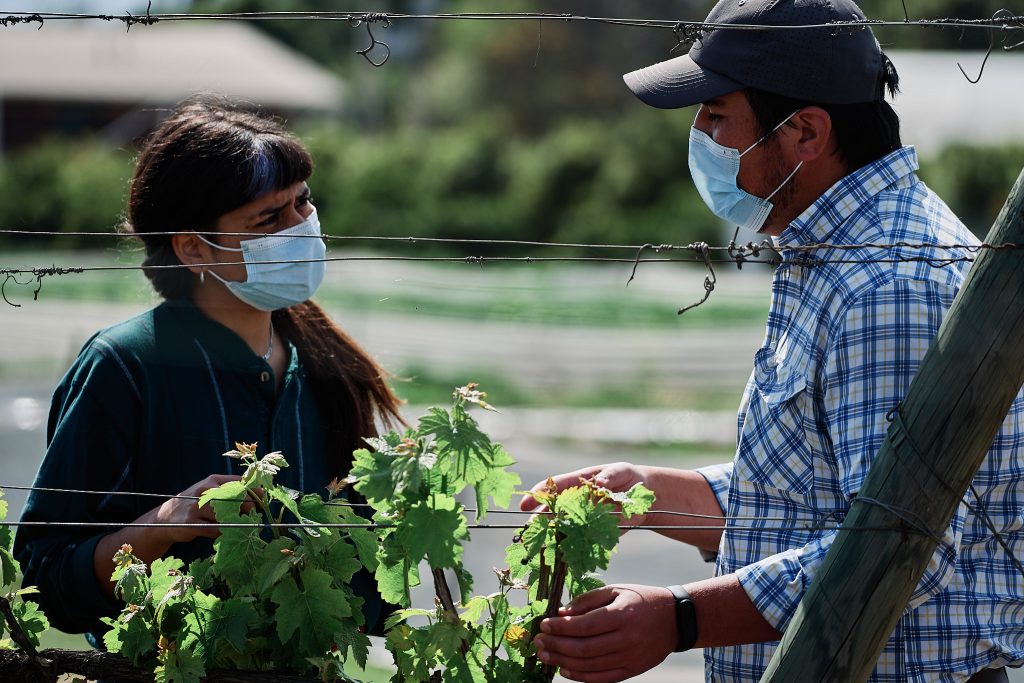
(773,451)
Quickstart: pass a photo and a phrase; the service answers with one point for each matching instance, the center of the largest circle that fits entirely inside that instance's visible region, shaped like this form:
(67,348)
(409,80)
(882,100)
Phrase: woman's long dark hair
(206,159)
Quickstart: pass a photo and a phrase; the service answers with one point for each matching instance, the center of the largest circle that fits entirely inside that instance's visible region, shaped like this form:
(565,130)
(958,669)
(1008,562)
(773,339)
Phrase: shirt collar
(817,223)
(230,349)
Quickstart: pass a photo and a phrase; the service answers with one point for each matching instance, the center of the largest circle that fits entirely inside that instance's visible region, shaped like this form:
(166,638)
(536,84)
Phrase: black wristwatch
(686,619)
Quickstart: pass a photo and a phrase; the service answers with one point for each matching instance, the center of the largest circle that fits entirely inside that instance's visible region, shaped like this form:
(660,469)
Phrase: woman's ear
(191,250)
(815,130)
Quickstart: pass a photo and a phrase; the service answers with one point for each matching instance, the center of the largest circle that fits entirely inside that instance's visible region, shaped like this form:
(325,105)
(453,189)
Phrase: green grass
(420,386)
(555,295)
(536,294)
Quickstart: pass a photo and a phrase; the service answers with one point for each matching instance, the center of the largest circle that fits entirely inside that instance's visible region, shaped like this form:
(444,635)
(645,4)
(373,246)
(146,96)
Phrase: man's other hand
(610,634)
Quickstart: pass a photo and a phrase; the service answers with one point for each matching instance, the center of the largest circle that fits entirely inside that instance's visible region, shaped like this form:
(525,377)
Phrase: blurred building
(100,78)
(939,106)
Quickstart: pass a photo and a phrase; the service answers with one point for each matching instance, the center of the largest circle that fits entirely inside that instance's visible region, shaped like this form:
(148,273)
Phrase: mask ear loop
(788,178)
(770,133)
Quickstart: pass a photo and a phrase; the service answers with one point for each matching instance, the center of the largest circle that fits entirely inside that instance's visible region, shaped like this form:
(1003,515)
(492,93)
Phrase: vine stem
(555,599)
(554,584)
(17,634)
(444,594)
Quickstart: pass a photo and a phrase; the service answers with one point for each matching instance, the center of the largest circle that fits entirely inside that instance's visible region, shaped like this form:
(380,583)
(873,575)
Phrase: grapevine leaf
(131,583)
(236,552)
(261,473)
(517,560)
(636,501)
(8,568)
(400,615)
(465,450)
(3,507)
(459,670)
(536,534)
(590,531)
(341,561)
(197,630)
(372,470)
(398,635)
(201,571)
(230,621)
(275,559)
(355,642)
(474,609)
(129,637)
(365,542)
(178,666)
(230,491)
(31,619)
(585,584)
(517,637)
(315,611)
(499,485)
(311,506)
(434,533)
(446,638)
(465,580)
(391,581)
(163,573)
(287,498)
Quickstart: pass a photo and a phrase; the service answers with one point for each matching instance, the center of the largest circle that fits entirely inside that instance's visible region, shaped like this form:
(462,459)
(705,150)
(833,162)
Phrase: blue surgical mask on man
(282,269)
(714,169)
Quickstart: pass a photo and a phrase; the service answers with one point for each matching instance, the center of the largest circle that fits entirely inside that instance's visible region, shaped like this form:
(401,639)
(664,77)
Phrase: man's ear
(814,126)
(190,250)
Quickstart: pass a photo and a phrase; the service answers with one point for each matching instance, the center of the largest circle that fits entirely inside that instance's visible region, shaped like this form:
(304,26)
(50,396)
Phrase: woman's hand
(185,510)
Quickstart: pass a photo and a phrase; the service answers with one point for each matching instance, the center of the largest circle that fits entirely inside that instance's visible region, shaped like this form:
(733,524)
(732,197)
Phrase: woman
(236,352)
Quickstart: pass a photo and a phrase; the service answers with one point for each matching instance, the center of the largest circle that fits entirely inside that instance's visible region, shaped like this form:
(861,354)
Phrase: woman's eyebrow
(272,210)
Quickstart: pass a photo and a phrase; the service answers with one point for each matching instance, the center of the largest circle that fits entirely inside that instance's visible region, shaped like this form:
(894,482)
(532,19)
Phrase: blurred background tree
(487,129)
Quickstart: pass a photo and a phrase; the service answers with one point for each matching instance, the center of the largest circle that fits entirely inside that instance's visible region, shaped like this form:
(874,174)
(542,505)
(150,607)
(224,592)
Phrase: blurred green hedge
(624,181)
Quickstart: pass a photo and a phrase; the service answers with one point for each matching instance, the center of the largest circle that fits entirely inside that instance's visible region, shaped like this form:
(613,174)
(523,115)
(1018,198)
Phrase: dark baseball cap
(827,65)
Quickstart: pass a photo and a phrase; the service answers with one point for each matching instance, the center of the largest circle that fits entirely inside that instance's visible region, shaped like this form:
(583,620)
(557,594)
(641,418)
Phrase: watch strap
(686,619)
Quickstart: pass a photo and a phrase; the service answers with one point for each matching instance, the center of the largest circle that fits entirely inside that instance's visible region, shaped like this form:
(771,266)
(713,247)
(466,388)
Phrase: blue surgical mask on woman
(714,169)
(282,269)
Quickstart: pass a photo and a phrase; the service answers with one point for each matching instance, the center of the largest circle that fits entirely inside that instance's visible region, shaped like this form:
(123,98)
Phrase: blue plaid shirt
(843,343)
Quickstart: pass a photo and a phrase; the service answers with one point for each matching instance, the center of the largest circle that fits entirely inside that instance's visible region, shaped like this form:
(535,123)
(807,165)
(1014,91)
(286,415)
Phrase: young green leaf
(230,621)
(231,491)
(434,533)
(31,619)
(178,666)
(315,611)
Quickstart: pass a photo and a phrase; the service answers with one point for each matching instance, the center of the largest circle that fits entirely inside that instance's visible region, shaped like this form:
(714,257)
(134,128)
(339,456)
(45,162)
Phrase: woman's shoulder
(132,337)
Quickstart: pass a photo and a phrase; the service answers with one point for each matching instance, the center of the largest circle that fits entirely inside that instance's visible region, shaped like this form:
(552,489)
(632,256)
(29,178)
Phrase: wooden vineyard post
(953,410)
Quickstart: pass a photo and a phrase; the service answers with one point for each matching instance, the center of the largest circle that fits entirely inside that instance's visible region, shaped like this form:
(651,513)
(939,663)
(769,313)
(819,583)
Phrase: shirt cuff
(718,478)
(776,584)
(82,583)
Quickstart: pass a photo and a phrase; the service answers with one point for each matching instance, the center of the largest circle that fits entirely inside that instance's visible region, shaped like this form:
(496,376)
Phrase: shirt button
(264,376)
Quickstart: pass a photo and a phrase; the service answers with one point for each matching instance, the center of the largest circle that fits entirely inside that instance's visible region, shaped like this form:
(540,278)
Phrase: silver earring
(202,277)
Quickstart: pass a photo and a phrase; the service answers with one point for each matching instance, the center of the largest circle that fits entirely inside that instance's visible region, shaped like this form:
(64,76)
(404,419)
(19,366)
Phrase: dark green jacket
(150,405)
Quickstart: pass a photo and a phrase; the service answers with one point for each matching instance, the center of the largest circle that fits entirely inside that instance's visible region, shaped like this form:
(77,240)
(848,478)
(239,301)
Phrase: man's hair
(865,131)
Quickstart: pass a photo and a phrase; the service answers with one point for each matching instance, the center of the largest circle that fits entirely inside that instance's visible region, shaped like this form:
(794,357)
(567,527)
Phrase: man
(793,138)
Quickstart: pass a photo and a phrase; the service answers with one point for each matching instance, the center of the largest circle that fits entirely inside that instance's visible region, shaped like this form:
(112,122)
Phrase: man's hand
(616,477)
(610,634)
